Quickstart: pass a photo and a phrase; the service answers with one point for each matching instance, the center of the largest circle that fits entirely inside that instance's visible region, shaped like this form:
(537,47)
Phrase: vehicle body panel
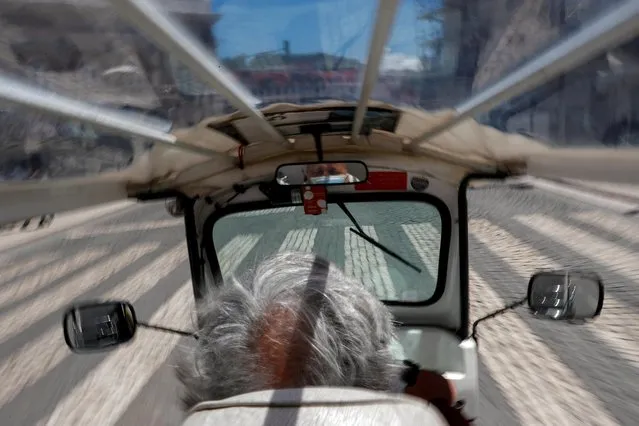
(431,335)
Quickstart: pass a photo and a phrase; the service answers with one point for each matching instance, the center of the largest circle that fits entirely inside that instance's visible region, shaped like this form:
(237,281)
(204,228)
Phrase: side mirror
(98,326)
(565,295)
(174,207)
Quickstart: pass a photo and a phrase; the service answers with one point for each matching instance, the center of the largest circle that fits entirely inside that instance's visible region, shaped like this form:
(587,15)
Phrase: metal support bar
(161,29)
(123,123)
(383,23)
(606,32)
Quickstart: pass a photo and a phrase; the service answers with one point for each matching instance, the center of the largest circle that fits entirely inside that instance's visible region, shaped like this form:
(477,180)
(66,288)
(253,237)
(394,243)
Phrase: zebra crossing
(545,373)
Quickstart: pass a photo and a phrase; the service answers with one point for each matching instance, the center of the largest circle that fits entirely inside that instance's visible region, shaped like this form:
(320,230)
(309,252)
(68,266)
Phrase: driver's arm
(437,390)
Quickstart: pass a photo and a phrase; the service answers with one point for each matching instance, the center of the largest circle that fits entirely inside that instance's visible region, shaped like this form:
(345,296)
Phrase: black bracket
(496,313)
(317,130)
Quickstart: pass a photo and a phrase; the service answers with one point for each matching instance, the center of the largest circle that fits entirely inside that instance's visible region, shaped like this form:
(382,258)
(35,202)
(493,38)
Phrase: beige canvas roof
(465,148)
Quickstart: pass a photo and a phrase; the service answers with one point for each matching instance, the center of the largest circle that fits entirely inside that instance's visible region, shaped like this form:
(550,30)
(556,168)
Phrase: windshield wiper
(360,233)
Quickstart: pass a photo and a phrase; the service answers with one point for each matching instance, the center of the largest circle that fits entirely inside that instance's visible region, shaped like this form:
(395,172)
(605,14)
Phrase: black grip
(409,376)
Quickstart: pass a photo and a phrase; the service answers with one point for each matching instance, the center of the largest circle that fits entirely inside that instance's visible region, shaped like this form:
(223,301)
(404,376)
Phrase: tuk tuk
(327,162)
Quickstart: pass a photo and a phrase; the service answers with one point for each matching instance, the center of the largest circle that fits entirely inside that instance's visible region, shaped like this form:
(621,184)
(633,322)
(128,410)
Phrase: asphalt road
(532,372)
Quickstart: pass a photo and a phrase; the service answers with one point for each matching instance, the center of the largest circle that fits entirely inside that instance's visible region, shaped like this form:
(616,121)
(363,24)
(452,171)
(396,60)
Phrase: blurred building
(468,45)
(82,49)
(593,104)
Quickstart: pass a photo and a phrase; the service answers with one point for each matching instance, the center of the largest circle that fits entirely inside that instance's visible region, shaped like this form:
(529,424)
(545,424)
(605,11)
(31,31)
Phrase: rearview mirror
(321,173)
(565,295)
(99,326)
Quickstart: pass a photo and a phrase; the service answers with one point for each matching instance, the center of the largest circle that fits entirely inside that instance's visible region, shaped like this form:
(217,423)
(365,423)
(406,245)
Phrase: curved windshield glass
(410,229)
(438,54)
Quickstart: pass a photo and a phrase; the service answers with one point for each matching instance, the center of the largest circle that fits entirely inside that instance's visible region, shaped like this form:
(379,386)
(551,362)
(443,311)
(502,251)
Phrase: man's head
(299,322)
(326,173)
(326,169)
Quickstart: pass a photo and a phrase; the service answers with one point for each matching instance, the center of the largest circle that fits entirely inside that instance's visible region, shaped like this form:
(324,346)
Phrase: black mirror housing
(98,326)
(565,295)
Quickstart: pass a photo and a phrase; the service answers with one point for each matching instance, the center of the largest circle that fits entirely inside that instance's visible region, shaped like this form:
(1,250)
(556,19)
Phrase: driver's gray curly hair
(347,338)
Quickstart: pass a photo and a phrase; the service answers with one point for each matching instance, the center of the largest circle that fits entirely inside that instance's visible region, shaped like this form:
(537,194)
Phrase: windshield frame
(332,198)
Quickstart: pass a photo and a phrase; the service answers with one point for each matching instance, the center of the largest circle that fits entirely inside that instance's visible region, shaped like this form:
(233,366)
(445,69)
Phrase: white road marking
(89,232)
(13,292)
(148,277)
(66,220)
(364,261)
(299,240)
(582,194)
(616,225)
(13,321)
(529,373)
(10,272)
(34,360)
(102,395)
(618,326)
(235,251)
(106,391)
(626,190)
(426,240)
(277,210)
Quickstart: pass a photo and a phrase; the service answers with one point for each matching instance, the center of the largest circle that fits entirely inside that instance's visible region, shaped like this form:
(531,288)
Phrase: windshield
(411,229)
(438,54)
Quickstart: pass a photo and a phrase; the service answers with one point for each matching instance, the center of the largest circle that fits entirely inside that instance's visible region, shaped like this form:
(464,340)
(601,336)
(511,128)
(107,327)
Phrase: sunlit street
(530,369)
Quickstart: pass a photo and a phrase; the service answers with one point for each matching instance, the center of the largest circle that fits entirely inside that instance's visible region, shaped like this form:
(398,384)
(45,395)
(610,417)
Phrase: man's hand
(438,391)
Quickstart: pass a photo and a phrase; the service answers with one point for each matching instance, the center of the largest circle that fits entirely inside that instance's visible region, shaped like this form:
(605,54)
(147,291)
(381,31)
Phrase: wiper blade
(385,249)
(360,233)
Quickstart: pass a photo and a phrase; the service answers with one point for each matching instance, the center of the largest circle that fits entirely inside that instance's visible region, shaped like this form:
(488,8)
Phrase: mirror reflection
(565,296)
(97,326)
(322,173)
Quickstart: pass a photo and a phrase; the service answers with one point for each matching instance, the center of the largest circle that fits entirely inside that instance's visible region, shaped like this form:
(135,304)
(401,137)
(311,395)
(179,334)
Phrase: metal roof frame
(124,123)
(606,32)
(168,35)
(383,26)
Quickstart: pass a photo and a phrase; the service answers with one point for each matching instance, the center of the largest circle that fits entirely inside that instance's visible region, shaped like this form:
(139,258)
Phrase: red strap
(431,386)
(240,156)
